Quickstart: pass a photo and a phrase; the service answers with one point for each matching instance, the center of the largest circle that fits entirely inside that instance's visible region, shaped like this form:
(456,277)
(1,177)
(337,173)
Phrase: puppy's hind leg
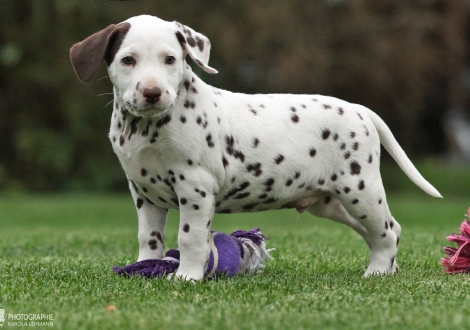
(369,207)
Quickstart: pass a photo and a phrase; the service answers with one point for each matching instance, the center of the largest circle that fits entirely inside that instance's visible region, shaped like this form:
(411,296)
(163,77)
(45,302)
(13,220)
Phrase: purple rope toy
(241,252)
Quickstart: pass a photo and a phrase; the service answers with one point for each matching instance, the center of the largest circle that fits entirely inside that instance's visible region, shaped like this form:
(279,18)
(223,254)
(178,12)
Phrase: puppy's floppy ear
(196,45)
(87,55)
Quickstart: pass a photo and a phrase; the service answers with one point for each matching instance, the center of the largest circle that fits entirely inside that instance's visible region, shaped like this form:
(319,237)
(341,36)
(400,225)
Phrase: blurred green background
(405,59)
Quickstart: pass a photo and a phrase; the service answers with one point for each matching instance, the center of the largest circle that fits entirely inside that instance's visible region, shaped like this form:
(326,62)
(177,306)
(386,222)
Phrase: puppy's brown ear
(86,56)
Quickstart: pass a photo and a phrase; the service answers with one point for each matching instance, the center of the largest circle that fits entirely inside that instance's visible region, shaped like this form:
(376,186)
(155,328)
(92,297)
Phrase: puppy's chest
(134,141)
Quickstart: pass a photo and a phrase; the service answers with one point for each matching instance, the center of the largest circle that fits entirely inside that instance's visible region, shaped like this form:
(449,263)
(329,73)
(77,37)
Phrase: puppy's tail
(391,145)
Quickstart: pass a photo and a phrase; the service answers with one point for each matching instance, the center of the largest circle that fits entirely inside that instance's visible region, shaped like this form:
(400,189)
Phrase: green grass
(57,254)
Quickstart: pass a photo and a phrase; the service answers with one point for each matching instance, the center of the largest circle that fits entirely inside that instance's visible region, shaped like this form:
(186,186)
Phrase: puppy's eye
(128,60)
(170,60)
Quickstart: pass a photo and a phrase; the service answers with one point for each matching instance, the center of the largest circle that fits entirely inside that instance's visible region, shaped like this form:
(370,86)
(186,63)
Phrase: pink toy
(459,258)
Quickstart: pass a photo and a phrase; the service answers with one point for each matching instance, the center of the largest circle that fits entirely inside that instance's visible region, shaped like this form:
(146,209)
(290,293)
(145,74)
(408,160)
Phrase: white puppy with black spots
(186,145)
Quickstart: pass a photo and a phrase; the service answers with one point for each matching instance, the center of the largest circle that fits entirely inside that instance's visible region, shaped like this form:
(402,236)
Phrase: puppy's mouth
(149,111)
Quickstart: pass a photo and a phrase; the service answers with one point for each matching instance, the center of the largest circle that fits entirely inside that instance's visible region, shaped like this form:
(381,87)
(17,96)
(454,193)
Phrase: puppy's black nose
(152,95)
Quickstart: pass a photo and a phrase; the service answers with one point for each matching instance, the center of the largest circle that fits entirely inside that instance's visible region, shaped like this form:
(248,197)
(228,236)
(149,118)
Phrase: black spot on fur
(121,140)
(370,159)
(355,201)
(238,154)
(289,182)
(153,180)
(383,235)
(356,146)
(186,228)
(224,161)
(326,106)
(182,177)
(154,137)
(313,152)
(327,199)
(209,140)
(363,216)
(346,190)
(268,184)
(255,168)
(347,155)
(352,134)
(342,146)
(340,111)
(255,142)
(190,162)
(183,201)
(143,172)
(321,182)
(153,244)
(159,237)
(391,224)
(334,177)
(355,168)
(195,206)
(380,200)
(279,159)
(242,195)
(295,118)
(236,190)
(271,200)
(386,224)
(263,196)
(145,132)
(249,206)
(165,120)
(183,119)
(162,200)
(361,185)
(326,134)
(139,202)
(189,104)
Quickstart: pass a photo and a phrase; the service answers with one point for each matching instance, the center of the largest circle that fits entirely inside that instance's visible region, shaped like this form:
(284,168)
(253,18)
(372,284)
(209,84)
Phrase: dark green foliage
(399,58)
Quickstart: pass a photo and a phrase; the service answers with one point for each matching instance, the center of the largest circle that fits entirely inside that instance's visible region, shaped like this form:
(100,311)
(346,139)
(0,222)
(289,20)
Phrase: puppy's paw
(182,276)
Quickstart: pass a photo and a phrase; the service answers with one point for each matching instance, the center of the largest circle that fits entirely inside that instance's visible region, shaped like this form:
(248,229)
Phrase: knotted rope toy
(458,260)
(241,252)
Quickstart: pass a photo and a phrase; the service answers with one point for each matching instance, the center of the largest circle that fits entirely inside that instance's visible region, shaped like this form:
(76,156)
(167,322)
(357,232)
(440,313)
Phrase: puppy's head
(146,61)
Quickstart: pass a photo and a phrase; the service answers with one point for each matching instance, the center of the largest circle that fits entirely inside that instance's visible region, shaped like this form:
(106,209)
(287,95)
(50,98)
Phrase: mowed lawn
(57,254)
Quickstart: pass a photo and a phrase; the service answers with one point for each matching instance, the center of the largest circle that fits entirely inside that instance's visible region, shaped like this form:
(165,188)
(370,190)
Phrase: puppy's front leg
(196,214)
(152,224)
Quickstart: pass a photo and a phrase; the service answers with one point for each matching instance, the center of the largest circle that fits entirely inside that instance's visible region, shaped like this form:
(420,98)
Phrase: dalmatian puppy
(186,145)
